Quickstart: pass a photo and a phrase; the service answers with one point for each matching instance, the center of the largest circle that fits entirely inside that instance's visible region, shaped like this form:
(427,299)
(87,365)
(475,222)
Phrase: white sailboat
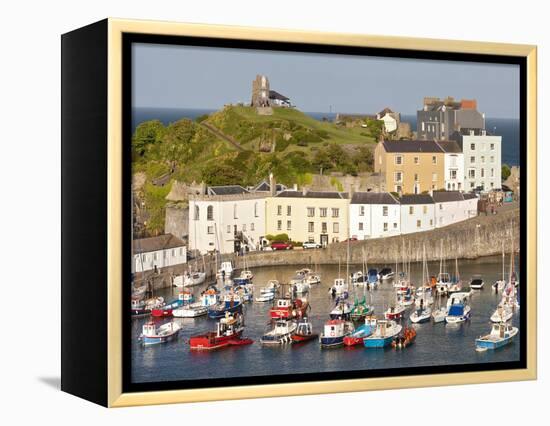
(424,312)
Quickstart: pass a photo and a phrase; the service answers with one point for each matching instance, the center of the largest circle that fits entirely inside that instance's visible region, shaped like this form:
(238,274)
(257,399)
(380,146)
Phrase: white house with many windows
(158,252)
(453,165)
(453,206)
(417,213)
(227,218)
(374,215)
(482,159)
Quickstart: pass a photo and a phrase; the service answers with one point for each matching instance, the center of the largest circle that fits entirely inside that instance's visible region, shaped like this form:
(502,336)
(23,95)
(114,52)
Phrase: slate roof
(450,146)
(446,196)
(264,186)
(469,196)
(162,242)
(373,198)
(411,146)
(226,190)
(276,95)
(312,194)
(416,199)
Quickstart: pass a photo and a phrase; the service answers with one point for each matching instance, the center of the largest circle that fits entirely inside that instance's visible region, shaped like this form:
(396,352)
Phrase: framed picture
(250,212)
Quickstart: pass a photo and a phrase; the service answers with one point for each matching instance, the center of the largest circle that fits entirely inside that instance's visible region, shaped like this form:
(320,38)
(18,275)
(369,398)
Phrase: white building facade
(374,215)
(453,206)
(453,159)
(158,252)
(226,219)
(417,213)
(482,160)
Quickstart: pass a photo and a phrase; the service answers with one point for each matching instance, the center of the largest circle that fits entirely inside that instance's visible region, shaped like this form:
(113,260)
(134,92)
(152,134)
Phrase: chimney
(295,187)
(272,185)
(304,191)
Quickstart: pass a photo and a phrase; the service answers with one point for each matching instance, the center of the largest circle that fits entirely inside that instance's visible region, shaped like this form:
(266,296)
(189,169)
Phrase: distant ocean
(505,127)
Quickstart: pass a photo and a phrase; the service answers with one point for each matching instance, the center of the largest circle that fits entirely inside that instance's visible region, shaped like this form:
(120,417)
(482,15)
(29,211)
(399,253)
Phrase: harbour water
(436,344)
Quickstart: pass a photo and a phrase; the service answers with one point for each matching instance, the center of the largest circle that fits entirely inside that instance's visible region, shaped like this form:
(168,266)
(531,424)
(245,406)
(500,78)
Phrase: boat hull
(378,342)
(332,342)
(158,339)
(300,338)
(492,345)
(220,313)
(208,342)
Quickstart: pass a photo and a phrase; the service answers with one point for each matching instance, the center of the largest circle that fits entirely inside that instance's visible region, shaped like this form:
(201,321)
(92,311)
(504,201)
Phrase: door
(324,240)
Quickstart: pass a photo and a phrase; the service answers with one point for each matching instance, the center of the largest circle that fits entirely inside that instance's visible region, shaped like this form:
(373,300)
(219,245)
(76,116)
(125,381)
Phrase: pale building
(391,119)
(453,206)
(226,218)
(157,253)
(453,165)
(417,213)
(482,159)
(374,215)
(304,215)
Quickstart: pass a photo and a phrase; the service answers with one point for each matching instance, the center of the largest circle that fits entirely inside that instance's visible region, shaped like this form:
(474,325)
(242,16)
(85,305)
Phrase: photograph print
(319,213)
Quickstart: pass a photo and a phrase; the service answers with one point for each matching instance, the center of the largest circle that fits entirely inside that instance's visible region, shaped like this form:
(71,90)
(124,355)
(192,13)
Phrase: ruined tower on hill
(260,92)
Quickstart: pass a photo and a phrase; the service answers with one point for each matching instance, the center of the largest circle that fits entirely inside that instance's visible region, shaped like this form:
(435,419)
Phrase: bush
(506,171)
(279,237)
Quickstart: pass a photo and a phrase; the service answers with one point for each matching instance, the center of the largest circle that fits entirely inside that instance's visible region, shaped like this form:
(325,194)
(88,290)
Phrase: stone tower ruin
(260,92)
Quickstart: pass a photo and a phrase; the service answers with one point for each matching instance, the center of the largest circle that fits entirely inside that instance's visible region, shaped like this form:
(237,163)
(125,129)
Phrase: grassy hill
(237,145)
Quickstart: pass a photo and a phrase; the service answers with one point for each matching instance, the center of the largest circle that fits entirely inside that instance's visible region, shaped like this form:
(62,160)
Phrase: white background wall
(30,171)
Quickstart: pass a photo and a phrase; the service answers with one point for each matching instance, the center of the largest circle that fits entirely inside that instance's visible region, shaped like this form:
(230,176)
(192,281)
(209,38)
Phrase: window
(441,206)
(279,210)
(235,211)
(411,209)
(335,212)
(210,213)
(416,177)
(394,225)
(472,159)
(471,174)
(472,184)
(425,209)
(416,160)
(244,227)
(434,159)
(310,227)
(324,227)
(288,210)
(419,224)
(279,225)
(181,251)
(431,222)
(472,147)
(492,173)
(482,172)
(154,256)
(229,229)
(361,210)
(289,225)
(423,126)
(384,210)
(197,213)
(360,226)
(492,159)
(256,209)
(310,211)
(453,174)
(398,176)
(398,160)
(483,159)
(252,226)
(492,147)
(434,177)
(210,229)
(385,226)
(323,212)
(398,189)
(335,227)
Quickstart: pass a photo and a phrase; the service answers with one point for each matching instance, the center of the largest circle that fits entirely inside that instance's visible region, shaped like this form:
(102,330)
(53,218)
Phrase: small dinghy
(476,283)
(501,334)
(313,279)
(280,334)
(265,297)
(152,335)
(386,274)
(404,339)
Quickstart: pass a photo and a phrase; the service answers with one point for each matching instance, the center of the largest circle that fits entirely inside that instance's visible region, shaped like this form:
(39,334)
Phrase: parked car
(311,245)
(280,245)
(351,239)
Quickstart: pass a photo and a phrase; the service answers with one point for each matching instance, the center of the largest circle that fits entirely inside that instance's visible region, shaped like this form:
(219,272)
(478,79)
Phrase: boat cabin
(304,328)
(334,328)
(148,329)
(444,278)
(283,303)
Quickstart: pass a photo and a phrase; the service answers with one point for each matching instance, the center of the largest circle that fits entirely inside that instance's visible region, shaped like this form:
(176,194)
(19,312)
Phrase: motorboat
(339,287)
(228,332)
(304,332)
(152,335)
(458,309)
(364,330)
(476,283)
(280,334)
(501,335)
(383,335)
(334,332)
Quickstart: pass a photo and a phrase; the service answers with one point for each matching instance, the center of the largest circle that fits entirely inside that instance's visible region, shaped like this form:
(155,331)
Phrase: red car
(279,245)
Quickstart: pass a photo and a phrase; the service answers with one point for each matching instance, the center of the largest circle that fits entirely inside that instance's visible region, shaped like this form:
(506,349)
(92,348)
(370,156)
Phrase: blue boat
(334,333)
(231,304)
(383,335)
(458,309)
(373,277)
(501,334)
(184,298)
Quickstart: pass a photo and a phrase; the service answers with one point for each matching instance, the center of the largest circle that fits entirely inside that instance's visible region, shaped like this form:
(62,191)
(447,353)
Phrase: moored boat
(342,309)
(383,334)
(406,338)
(304,332)
(280,334)
(476,283)
(231,303)
(501,334)
(360,310)
(386,274)
(191,279)
(365,330)
(288,308)
(228,332)
(334,333)
(339,287)
(152,335)
(458,309)
(191,310)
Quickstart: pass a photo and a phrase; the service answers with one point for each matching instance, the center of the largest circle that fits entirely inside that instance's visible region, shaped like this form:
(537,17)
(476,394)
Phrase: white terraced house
(158,252)
(417,213)
(374,215)
(453,206)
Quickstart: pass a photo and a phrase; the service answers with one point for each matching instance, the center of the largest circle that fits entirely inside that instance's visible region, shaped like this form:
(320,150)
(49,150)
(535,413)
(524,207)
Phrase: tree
(506,171)
(146,134)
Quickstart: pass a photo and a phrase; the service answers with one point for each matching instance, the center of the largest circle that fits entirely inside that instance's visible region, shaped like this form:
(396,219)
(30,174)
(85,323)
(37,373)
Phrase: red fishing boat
(161,313)
(228,333)
(287,308)
(304,332)
(405,339)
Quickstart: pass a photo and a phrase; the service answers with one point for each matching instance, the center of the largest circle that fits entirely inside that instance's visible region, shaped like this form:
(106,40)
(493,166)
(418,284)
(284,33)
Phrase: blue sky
(202,77)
